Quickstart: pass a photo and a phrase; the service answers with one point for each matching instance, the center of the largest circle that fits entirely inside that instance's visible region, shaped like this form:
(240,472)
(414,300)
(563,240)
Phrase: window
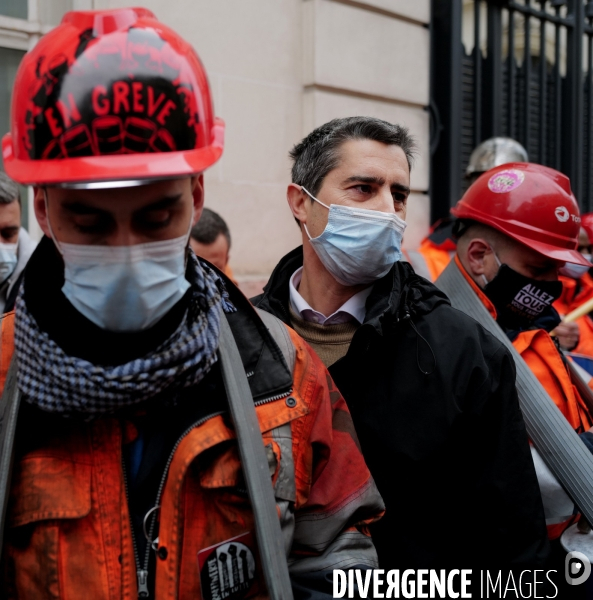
(14,8)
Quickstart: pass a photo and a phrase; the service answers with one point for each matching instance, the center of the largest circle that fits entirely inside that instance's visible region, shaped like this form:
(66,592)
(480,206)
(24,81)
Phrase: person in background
(15,244)
(517,226)
(438,247)
(577,288)
(431,393)
(211,239)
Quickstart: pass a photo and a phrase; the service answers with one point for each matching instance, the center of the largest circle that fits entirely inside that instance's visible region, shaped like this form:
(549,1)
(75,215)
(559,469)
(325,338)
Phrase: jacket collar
(268,377)
(401,291)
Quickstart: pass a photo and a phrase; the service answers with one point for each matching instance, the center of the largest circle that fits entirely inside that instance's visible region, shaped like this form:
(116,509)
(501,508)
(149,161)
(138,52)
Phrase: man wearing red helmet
(438,247)
(518,225)
(127,480)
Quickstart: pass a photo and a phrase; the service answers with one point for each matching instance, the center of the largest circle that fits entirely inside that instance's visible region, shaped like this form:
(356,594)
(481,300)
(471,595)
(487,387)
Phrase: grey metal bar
(543,91)
(527,73)
(446,90)
(255,467)
(574,111)
(512,74)
(477,56)
(586,201)
(494,78)
(557,98)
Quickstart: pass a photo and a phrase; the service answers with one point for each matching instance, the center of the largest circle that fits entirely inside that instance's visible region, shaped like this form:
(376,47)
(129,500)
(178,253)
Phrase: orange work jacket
(572,299)
(68,532)
(539,351)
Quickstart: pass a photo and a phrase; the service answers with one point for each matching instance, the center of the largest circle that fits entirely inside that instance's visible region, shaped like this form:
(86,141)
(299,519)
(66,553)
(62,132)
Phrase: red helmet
(110,96)
(587,225)
(530,203)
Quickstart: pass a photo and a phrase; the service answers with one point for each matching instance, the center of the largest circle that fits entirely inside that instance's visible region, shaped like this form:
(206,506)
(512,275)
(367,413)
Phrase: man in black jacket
(432,394)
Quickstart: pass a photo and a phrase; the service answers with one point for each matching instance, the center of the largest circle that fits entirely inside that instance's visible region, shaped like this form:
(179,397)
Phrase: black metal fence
(517,68)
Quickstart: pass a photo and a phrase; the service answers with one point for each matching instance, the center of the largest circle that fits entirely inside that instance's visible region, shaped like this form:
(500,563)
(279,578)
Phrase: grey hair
(9,190)
(318,154)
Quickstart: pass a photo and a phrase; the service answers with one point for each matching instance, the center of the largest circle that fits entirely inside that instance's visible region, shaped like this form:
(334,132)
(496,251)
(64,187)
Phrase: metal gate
(517,68)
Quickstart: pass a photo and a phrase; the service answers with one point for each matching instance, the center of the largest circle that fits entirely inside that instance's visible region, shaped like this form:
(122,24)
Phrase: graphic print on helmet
(147,107)
(111,96)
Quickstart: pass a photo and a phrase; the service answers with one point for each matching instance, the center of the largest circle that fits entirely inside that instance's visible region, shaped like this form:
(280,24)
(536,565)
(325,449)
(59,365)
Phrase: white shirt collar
(354,308)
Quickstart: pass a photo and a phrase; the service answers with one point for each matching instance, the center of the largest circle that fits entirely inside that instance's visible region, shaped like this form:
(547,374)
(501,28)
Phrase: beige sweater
(331,342)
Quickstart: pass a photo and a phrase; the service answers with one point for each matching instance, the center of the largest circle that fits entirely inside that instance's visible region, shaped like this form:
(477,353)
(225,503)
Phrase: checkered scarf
(59,383)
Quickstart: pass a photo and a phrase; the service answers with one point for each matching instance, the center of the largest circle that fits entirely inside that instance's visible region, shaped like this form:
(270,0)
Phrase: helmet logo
(562,214)
(506,181)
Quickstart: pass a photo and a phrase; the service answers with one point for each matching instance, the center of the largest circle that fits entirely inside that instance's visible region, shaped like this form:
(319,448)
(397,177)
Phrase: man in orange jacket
(127,479)
(577,288)
(518,225)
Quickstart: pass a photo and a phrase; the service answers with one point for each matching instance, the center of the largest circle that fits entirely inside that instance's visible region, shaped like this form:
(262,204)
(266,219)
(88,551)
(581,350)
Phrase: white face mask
(358,246)
(8,260)
(125,288)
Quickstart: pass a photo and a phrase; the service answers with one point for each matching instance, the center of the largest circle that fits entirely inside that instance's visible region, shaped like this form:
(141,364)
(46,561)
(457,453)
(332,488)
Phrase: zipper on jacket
(142,573)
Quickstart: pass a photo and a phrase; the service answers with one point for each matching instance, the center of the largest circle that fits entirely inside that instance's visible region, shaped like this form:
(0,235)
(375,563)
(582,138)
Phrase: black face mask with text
(520,300)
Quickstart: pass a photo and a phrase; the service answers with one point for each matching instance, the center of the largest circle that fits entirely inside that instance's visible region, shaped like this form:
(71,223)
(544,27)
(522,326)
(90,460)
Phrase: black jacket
(433,399)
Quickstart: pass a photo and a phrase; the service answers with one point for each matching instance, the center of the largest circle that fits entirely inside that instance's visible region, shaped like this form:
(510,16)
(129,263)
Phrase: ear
(297,201)
(40,208)
(477,250)
(197,187)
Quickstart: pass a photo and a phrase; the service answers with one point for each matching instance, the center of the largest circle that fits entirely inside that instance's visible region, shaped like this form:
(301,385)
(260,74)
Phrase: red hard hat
(110,96)
(587,225)
(530,203)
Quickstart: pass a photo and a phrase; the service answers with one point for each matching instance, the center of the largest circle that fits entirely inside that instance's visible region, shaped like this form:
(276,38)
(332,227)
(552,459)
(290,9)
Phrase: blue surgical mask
(358,246)
(125,288)
(8,260)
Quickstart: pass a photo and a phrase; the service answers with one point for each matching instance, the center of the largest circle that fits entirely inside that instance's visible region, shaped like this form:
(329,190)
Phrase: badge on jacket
(227,570)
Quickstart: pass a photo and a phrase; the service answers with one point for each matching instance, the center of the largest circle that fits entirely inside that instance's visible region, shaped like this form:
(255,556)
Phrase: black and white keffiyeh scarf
(59,383)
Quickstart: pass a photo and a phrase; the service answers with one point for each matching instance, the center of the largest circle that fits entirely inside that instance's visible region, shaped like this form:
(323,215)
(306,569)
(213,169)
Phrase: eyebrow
(377,181)
(80,208)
